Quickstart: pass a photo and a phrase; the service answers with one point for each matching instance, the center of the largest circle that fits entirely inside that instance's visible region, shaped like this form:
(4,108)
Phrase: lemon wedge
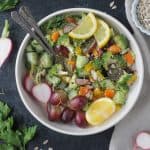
(86,28)
(102,33)
(100,110)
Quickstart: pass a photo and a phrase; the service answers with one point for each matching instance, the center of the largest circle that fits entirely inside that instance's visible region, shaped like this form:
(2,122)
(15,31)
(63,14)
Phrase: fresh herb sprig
(7,4)
(13,139)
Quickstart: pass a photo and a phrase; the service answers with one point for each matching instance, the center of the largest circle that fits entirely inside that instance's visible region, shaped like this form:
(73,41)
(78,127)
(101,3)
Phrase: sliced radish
(42,92)
(142,141)
(5,49)
(28,83)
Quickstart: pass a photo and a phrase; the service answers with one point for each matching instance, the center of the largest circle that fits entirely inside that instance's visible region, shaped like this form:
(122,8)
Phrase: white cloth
(139,118)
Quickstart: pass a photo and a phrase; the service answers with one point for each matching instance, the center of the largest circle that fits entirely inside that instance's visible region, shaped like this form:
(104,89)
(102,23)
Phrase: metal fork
(25,19)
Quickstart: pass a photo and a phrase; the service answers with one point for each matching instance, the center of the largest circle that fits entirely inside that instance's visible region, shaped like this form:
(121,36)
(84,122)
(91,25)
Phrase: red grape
(78,102)
(67,115)
(58,97)
(54,112)
(80,119)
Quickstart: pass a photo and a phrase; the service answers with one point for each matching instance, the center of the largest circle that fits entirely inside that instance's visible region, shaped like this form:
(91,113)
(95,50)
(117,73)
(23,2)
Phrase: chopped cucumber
(121,41)
(45,60)
(32,58)
(55,69)
(37,46)
(29,48)
(81,61)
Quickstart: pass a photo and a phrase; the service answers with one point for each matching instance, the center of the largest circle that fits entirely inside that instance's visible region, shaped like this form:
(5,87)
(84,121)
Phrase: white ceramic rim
(122,114)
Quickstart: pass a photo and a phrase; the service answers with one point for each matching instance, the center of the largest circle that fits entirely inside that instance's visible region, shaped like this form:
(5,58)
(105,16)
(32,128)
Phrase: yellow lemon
(100,110)
(103,33)
(86,28)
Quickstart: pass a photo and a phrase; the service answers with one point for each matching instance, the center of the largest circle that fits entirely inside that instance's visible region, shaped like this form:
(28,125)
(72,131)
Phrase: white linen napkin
(139,118)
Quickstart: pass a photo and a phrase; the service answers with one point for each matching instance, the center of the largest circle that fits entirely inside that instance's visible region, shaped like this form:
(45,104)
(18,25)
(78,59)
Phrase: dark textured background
(41,8)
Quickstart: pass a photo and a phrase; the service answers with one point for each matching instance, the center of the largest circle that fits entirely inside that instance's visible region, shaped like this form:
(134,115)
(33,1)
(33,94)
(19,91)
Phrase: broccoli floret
(55,81)
(107,84)
(65,41)
(55,69)
(97,63)
(121,94)
(106,59)
(123,80)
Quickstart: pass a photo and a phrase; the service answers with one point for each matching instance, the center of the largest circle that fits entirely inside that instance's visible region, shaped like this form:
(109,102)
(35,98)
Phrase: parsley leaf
(28,133)
(4,110)
(7,4)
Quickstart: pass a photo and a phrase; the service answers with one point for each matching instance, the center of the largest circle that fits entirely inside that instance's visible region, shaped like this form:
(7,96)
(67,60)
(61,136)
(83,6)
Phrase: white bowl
(39,113)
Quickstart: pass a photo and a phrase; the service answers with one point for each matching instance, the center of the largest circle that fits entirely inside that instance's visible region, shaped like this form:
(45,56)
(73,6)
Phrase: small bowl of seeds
(141,15)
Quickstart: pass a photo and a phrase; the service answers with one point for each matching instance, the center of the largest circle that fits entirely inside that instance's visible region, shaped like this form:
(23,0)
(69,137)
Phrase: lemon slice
(102,33)
(86,28)
(100,110)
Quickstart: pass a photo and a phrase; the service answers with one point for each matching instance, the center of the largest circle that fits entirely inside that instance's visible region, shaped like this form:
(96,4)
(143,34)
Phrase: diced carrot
(55,36)
(83,90)
(109,93)
(114,49)
(97,93)
(72,63)
(70,20)
(129,58)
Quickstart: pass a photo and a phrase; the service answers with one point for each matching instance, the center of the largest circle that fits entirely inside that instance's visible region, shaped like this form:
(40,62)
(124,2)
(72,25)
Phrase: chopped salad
(89,78)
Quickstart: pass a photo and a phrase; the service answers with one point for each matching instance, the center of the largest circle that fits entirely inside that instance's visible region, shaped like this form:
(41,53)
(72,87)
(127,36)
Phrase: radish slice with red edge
(142,141)
(28,83)
(42,92)
(5,44)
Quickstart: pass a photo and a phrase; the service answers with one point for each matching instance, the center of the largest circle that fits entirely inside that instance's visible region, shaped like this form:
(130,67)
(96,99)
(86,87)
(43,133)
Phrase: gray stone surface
(41,8)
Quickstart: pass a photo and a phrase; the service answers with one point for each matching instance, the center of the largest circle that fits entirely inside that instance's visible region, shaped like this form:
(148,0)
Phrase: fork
(25,19)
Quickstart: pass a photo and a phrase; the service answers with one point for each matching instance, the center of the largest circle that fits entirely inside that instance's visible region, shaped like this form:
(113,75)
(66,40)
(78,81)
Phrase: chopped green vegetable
(123,80)
(106,59)
(55,69)
(54,80)
(65,41)
(107,84)
(32,58)
(118,59)
(45,60)
(81,61)
(81,73)
(38,48)
(121,41)
(8,4)
(7,147)
(29,48)
(72,93)
(120,96)
(97,63)
(5,32)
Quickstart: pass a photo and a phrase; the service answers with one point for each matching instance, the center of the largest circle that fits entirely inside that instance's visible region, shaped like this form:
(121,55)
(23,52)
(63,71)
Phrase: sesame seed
(111,4)
(114,7)
(36,148)
(45,142)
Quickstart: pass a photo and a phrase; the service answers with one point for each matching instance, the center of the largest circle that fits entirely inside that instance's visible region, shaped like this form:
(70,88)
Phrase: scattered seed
(114,7)
(36,148)
(50,148)
(111,4)
(45,142)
